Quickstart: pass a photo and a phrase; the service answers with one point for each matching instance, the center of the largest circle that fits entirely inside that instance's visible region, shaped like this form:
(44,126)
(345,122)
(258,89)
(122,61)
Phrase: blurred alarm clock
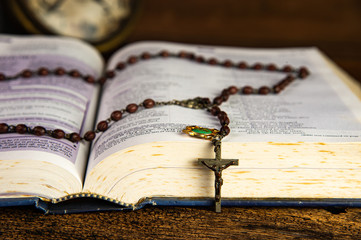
(103,23)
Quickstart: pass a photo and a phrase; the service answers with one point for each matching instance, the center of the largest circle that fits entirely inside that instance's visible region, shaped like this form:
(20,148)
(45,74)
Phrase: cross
(217,165)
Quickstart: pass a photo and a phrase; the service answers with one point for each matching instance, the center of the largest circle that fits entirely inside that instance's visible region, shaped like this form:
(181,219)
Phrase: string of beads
(196,103)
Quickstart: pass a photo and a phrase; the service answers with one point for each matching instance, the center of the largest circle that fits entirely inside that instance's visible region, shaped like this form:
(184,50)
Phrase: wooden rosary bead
(183,54)
(215,110)
(102,126)
(21,128)
(39,131)
(89,79)
(120,65)
(257,66)
(74,137)
(146,56)
(264,90)
(191,56)
(225,130)
(303,73)
(110,74)
(232,90)
(74,73)
(289,78)
(89,136)
(116,115)
(132,59)
(271,67)
(164,54)
(221,115)
(131,108)
(287,68)
(148,103)
(227,63)
(59,71)
(277,89)
(27,73)
(282,84)
(242,65)
(199,59)
(43,71)
(2,77)
(247,90)
(58,134)
(224,121)
(217,100)
(212,61)
(206,101)
(225,96)
(225,92)
(4,128)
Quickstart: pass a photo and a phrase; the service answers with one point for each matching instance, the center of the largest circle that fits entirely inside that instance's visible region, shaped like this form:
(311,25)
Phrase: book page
(52,102)
(317,109)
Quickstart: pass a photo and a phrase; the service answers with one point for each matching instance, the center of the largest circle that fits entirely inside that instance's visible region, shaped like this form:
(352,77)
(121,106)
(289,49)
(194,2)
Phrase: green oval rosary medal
(200,132)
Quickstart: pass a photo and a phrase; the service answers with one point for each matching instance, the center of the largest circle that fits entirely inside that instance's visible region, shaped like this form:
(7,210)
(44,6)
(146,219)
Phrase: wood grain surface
(185,223)
(332,25)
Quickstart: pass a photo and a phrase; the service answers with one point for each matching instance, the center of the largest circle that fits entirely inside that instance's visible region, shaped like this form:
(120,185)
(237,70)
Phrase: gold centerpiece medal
(200,132)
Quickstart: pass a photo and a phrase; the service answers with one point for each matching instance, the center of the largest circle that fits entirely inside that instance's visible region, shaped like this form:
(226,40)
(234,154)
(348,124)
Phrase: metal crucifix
(217,165)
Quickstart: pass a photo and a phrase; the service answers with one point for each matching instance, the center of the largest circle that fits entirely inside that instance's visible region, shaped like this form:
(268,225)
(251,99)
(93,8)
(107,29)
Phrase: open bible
(301,147)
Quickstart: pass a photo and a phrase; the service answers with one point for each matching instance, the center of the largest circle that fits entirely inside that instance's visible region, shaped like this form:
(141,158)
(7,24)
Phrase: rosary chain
(195,103)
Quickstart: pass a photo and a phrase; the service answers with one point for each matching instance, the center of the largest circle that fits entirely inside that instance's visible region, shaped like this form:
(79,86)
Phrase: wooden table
(331,25)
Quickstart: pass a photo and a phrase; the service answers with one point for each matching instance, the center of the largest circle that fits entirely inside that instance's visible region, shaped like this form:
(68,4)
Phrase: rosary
(217,164)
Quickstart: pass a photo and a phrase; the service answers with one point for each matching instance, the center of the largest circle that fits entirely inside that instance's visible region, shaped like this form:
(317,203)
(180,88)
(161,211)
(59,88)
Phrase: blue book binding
(93,204)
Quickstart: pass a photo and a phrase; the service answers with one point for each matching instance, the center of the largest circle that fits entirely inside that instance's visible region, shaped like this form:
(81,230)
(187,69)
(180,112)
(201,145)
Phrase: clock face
(92,20)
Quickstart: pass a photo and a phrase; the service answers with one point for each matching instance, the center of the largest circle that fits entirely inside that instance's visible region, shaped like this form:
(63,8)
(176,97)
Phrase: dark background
(334,26)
